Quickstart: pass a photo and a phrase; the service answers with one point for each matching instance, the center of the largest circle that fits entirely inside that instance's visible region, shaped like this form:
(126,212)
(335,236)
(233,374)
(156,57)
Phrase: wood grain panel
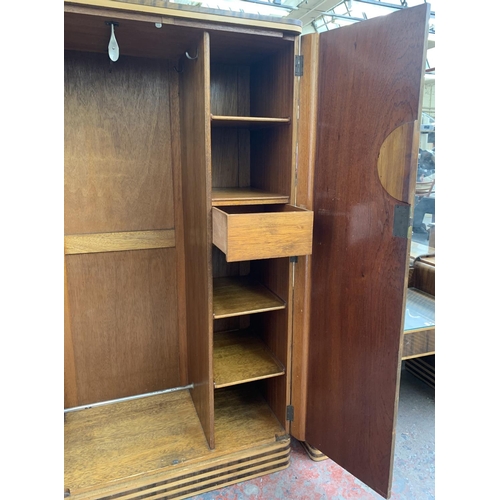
(246,48)
(117,242)
(230,95)
(221,268)
(274,149)
(70,389)
(132,438)
(230,158)
(230,90)
(274,73)
(370,75)
(272,160)
(118,173)
(119,449)
(197,203)
(123,323)
(275,328)
(179,223)
(308,100)
(398,159)
(249,233)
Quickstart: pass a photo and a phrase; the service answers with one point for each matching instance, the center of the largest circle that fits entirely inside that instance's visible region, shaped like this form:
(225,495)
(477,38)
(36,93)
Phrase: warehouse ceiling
(315,15)
(323,15)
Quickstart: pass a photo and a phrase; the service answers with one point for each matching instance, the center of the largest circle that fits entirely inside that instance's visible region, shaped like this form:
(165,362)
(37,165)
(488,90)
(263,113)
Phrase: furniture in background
(420,320)
(425,203)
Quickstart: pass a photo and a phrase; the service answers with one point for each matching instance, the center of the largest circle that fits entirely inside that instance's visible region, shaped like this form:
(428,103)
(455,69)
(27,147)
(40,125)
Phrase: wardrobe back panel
(118,172)
(122,306)
(123,319)
(230,89)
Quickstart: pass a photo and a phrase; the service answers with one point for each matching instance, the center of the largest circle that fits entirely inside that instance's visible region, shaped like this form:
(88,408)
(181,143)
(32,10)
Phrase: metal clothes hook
(113,49)
(189,57)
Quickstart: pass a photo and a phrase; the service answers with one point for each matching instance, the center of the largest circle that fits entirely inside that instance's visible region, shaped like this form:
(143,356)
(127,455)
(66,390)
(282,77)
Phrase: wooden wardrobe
(237,223)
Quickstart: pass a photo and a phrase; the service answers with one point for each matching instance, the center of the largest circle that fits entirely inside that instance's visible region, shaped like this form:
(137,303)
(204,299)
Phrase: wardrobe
(238,202)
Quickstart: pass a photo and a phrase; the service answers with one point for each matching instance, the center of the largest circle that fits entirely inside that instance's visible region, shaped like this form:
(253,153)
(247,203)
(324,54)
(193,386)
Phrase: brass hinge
(299,65)
(290,413)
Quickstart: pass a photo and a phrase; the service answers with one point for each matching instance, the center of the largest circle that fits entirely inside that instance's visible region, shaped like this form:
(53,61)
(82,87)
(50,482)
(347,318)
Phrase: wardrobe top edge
(186,13)
(143,34)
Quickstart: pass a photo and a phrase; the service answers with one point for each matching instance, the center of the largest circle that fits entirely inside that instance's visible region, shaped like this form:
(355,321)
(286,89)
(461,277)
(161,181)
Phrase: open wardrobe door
(369,84)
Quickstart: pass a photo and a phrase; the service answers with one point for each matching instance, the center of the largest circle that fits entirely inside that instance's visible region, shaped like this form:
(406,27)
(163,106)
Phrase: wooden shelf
(251,122)
(243,413)
(241,356)
(245,196)
(420,311)
(242,295)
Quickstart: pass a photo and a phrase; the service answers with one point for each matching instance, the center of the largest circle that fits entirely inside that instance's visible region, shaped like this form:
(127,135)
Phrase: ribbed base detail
(423,368)
(182,482)
(314,453)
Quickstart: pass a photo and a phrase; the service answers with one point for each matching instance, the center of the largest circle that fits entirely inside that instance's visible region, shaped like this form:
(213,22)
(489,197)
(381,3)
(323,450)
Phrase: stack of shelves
(255,229)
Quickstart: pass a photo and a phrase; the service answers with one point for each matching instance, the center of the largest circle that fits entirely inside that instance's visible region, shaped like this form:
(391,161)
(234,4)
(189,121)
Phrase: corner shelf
(237,296)
(241,356)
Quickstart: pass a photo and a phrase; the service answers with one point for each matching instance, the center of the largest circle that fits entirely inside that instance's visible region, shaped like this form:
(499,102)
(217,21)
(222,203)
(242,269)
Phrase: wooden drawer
(419,343)
(262,232)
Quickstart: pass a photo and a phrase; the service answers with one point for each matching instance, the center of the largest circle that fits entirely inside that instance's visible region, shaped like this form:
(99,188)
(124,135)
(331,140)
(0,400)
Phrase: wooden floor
(157,444)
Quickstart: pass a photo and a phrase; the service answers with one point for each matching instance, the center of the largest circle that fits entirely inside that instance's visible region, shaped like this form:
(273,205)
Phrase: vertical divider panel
(197,203)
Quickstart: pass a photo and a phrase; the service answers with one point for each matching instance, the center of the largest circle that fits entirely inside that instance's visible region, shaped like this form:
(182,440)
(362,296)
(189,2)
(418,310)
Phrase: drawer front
(245,233)
(420,343)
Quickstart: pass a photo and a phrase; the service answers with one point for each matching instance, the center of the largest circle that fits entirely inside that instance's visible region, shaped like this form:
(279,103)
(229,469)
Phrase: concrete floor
(414,465)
